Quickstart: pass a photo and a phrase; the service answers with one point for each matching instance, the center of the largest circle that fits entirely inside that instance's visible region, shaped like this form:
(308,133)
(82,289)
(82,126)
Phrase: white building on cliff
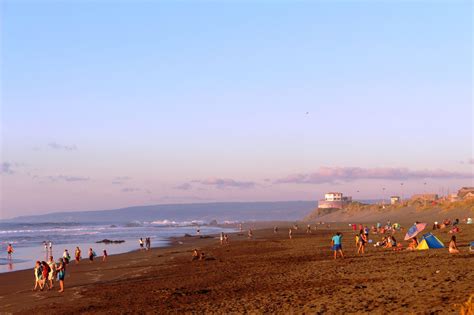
(334,200)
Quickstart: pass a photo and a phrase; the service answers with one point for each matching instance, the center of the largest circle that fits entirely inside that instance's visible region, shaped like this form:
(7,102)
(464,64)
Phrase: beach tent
(429,241)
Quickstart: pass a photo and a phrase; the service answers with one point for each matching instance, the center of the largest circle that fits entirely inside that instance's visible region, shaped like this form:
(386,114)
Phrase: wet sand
(269,274)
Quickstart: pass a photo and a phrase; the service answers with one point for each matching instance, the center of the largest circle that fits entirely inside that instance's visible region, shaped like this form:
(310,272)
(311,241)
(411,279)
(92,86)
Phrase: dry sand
(270,274)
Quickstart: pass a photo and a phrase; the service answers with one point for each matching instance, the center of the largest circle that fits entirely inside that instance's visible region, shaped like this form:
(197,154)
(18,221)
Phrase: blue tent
(430,241)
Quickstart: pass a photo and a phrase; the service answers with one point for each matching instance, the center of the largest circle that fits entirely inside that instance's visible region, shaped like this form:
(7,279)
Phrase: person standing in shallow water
(148,243)
(9,251)
(336,243)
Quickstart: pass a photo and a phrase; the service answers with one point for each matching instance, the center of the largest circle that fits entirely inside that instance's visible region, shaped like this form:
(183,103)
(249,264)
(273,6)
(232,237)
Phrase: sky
(107,104)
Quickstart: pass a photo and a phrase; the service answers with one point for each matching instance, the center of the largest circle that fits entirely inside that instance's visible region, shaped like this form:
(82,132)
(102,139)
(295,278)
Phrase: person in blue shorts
(336,243)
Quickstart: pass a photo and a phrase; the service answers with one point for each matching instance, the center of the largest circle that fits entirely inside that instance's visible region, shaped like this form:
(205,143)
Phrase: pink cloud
(347,174)
(223,183)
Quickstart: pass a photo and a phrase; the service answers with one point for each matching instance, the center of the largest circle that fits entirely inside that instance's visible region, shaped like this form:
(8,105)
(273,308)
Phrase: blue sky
(206,101)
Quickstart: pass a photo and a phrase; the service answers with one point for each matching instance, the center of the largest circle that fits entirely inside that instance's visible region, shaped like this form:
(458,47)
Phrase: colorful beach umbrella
(414,230)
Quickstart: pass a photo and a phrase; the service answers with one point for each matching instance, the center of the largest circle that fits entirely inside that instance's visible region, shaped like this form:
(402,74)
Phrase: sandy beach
(269,274)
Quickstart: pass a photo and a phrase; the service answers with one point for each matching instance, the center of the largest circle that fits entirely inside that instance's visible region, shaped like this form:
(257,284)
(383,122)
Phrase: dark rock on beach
(107,241)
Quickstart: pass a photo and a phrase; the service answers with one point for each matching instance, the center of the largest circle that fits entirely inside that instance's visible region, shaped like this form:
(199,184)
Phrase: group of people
(224,238)
(145,244)
(78,255)
(46,272)
(388,241)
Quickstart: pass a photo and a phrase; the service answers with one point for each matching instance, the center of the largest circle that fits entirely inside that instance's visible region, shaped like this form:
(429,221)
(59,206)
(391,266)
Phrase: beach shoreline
(270,273)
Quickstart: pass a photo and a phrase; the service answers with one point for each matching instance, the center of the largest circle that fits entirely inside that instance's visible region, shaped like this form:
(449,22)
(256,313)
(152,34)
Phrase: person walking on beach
(9,251)
(77,254)
(50,247)
(275,229)
(221,238)
(250,234)
(148,243)
(66,256)
(91,255)
(308,229)
(362,242)
(290,233)
(140,241)
(453,249)
(226,239)
(52,271)
(336,243)
(44,274)
(38,272)
(61,270)
(104,257)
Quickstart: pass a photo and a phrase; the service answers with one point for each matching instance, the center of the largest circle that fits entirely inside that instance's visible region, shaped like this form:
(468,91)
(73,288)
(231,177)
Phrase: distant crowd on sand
(364,235)
(387,233)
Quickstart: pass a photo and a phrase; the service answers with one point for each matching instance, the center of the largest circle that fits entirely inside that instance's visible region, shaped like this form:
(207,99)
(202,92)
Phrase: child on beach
(9,251)
(140,241)
(413,244)
(104,257)
(250,234)
(336,243)
(453,249)
(38,272)
(61,270)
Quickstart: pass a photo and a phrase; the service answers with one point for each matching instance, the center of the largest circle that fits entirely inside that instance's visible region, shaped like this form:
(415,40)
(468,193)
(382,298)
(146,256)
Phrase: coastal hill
(205,212)
(406,212)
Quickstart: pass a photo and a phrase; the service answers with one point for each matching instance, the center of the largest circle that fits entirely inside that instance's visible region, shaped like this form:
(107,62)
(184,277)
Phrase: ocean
(28,238)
